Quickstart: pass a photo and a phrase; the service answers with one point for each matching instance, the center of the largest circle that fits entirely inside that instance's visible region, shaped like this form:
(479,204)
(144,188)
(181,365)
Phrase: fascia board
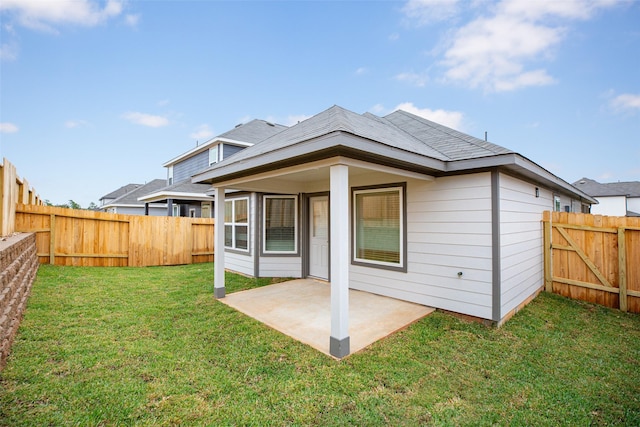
(518,164)
(309,148)
(205,146)
(164,195)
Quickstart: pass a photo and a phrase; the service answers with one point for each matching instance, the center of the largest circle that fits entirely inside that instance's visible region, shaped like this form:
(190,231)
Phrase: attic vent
(582,182)
(238,125)
(270,124)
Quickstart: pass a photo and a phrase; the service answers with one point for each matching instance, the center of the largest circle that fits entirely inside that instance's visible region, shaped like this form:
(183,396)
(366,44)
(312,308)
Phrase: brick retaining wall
(18,268)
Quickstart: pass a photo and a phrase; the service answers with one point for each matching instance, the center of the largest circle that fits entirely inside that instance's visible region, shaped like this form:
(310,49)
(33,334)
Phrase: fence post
(622,268)
(548,282)
(52,240)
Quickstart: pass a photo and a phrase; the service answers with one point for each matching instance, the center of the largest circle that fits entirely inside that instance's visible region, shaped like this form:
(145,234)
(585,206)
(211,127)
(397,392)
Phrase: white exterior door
(319,237)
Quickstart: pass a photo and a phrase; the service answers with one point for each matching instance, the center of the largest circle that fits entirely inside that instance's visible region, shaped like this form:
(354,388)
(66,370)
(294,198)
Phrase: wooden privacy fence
(13,190)
(88,238)
(593,258)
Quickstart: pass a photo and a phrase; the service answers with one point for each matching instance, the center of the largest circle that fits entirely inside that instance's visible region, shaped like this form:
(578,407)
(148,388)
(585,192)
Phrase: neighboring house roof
(597,189)
(245,134)
(120,191)
(401,140)
(131,198)
(183,190)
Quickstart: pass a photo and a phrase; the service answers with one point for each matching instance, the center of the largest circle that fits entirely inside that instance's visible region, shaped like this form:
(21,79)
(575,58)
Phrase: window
(280,216)
(556,203)
(192,212)
(176,210)
(236,224)
(213,155)
(379,226)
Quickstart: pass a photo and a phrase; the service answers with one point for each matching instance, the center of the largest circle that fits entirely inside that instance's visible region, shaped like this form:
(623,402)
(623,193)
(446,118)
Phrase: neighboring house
(614,198)
(396,205)
(108,198)
(184,198)
(128,203)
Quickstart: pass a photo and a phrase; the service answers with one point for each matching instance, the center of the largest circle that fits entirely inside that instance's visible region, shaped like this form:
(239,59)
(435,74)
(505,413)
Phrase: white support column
(339,208)
(218,256)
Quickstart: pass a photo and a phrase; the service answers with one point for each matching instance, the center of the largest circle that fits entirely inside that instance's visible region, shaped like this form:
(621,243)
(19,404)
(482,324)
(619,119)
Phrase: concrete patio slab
(301,309)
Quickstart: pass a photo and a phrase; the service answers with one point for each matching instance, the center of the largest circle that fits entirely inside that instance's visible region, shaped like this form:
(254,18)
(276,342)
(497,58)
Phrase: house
(125,200)
(108,198)
(614,199)
(397,205)
(185,198)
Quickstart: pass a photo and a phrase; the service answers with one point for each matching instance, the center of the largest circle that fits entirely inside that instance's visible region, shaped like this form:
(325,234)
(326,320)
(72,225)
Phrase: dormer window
(213,155)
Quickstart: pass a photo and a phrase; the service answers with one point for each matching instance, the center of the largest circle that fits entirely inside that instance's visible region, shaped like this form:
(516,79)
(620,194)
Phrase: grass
(151,346)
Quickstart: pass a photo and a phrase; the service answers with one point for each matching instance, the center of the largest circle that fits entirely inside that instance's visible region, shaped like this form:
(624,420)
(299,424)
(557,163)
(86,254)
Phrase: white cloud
(202,133)
(626,102)
(495,51)
(71,124)
(415,79)
(146,119)
(43,15)
(362,70)
(429,11)
(7,127)
(452,119)
(132,20)
(163,103)
(8,51)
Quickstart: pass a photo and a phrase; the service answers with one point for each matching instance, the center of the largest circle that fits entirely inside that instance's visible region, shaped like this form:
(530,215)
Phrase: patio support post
(339,225)
(218,255)
(169,207)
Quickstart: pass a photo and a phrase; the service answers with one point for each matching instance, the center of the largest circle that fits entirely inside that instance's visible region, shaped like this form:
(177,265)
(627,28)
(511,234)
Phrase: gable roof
(121,191)
(594,188)
(401,140)
(131,198)
(183,190)
(245,134)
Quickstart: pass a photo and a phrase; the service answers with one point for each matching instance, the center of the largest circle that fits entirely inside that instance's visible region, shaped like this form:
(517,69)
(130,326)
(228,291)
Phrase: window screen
(378,228)
(236,224)
(280,224)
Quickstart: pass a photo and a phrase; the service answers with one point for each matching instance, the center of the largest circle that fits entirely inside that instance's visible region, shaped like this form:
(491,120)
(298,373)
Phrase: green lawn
(151,346)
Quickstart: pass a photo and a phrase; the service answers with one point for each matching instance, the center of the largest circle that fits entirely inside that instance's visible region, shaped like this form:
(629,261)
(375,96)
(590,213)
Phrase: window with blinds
(379,226)
(280,224)
(236,224)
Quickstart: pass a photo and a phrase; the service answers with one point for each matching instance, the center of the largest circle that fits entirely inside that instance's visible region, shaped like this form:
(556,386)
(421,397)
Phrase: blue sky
(95,94)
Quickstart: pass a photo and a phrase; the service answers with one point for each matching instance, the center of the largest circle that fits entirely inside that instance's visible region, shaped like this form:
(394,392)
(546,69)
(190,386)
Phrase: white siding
(448,231)
(612,206)
(237,261)
(633,204)
(281,267)
(522,264)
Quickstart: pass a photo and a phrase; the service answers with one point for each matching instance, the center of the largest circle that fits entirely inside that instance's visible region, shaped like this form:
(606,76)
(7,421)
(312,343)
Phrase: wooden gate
(593,258)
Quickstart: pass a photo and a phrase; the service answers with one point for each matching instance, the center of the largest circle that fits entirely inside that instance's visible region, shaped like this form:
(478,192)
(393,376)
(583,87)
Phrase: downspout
(496,253)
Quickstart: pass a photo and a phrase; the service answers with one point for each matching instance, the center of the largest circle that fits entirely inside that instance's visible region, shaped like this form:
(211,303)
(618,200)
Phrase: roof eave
(343,144)
(521,166)
(205,146)
(165,195)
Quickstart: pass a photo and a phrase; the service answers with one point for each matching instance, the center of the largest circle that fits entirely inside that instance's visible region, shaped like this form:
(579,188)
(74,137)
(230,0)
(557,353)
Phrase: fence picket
(87,238)
(593,258)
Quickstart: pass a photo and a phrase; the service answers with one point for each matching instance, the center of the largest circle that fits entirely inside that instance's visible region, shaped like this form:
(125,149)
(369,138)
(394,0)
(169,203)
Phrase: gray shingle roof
(253,131)
(131,198)
(185,186)
(595,188)
(452,144)
(121,191)
(339,119)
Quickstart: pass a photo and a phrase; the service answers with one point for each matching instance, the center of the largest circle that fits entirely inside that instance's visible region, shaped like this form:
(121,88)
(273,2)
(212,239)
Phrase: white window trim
(362,261)
(264,225)
(176,210)
(213,155)
(233,224)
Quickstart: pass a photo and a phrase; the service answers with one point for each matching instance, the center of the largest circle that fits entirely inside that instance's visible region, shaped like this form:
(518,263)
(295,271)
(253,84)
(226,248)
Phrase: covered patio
(301,309)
